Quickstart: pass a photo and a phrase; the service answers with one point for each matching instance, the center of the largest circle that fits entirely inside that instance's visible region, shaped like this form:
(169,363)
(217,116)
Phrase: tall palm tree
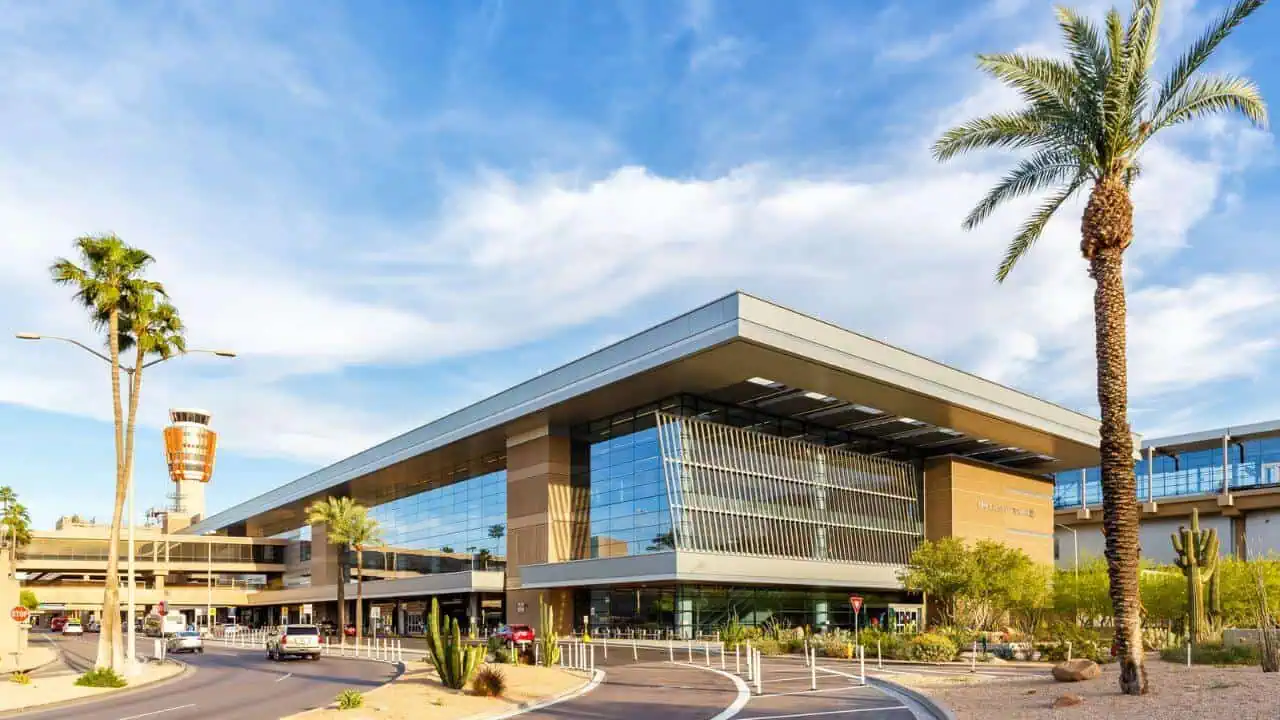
(107,266)
(17,527)
(1085,120)
(335,513)
(7,497)
(151,327)
(360,532)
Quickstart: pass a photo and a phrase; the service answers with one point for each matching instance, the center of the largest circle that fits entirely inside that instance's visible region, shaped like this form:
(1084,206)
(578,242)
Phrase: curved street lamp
(131,614)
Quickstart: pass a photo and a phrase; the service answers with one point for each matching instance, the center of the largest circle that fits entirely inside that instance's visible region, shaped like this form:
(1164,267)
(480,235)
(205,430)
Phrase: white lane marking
(786,679)
(831,712)
(819,690)
(286,676)
(744,692)
(157,712)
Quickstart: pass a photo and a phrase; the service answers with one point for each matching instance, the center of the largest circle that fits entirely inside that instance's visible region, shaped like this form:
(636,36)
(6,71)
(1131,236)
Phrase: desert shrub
(350,700)
(767,646)
(752,633)
(501,656)
(835,645)
(20,678)
(1213,654)
(495,644)
(733,633)
(962,638)
(101,678)
(489,682)
(789,643)
(931,647)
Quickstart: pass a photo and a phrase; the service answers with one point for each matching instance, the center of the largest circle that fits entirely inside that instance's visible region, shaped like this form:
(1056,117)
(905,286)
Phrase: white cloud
(271,257)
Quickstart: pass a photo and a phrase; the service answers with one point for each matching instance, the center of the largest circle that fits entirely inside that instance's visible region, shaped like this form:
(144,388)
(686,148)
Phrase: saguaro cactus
(547,636)
(455,663)
(1198,559)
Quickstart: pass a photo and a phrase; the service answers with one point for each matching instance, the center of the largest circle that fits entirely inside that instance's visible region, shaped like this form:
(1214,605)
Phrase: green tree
(28,600)
(978,586)
(107,268)
(335,514)
(360,532)
(1085,120)
(943,570)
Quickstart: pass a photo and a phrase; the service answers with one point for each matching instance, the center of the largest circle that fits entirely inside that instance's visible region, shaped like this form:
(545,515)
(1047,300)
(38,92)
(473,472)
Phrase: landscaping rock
(1067,700)
(1076,670)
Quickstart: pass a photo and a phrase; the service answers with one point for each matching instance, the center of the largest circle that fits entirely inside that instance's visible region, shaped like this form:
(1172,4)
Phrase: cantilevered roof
(1203,439)
(738,349)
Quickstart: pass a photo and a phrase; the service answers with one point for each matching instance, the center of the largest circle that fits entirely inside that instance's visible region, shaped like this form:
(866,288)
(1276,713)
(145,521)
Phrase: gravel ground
(1239,693)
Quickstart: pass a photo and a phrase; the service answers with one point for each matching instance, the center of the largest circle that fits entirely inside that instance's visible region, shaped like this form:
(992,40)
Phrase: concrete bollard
(592,656)
(862,665)
(759,674)
(723,660)
(635,651)
(689,646)
(671,651)
(706,650)
(737,659)
(1188,651)
(751,673)
(606,647)
(879,661)
(1068,651)
(813,670)
(973,659)
(537,654)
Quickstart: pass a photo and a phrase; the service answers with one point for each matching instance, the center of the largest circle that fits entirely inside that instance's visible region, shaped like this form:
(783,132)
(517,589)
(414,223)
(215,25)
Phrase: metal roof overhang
(706,351)
(1205,439)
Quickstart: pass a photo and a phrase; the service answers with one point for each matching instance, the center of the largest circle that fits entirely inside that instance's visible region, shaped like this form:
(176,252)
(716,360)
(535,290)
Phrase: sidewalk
(55,683)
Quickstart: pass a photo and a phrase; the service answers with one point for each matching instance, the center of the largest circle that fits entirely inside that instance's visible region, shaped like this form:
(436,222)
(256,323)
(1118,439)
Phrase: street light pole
(131,612)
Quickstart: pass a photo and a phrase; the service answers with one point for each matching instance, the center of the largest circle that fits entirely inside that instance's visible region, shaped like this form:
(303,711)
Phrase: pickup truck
(296,640)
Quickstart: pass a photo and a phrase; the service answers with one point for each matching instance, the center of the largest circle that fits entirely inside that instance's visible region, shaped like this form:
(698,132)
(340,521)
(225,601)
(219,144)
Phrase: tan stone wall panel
(977,501)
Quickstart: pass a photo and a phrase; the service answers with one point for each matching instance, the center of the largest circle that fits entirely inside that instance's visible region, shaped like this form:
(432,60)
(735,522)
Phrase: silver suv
(296,640)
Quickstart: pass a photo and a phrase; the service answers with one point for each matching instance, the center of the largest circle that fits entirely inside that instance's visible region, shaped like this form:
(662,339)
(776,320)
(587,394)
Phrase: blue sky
(393,209)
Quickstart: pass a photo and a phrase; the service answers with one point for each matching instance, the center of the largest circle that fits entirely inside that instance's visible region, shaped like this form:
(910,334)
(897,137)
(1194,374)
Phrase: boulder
(1076,670)
(1067,700)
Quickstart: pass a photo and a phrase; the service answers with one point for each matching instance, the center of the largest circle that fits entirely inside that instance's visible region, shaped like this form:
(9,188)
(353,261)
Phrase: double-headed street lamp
(131,614)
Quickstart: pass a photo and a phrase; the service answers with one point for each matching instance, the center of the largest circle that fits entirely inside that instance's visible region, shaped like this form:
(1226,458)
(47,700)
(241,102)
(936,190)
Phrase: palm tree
(360,532)
(150,326)
(17,527)
(108,266)
(335,513)
(7,497)
(1085,119)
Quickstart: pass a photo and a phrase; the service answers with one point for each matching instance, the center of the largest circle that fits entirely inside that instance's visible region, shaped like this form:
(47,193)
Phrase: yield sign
(856,602)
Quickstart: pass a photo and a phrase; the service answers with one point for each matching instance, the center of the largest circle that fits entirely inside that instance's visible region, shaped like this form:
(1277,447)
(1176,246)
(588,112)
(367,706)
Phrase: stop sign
(19,614)
(856,602)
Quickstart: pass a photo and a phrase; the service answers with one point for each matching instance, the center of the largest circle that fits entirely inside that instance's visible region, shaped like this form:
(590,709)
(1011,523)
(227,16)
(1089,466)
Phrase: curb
(739,685)
(118,692)
(936,710)
(596,678)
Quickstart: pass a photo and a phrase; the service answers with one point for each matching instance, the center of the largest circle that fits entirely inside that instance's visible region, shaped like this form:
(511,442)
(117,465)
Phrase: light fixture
(909,421)
(818,396)
(867,410)
(1046,458)
(949,431)
(762,381)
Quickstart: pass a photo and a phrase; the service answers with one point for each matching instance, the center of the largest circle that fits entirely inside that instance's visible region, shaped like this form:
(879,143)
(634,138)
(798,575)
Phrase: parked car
(296,640)
(229,630)
(516,633)
(72,627)
(185,641)
(56,623)
(349,631)
(93,626)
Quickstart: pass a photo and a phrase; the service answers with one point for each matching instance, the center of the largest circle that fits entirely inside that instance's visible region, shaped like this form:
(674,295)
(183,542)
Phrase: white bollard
(706,650)
(635,651)
(759,674)
(671,651)
(862,665)
(1188,651)
(723,660)
(751,673)
(537,654)
(737,659)
(879,660)
(813,670)
(690,648)
(973,659)
(561,655)
(1068,651)
(606,648)
(592,657)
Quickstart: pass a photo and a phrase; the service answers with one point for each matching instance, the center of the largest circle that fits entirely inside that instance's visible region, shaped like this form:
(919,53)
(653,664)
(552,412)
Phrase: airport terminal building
(741,459)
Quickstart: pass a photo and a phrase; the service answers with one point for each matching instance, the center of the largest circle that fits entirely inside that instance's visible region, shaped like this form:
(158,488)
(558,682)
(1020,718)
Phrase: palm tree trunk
(359,593)
(1107,230)
(342,593)
(110,650)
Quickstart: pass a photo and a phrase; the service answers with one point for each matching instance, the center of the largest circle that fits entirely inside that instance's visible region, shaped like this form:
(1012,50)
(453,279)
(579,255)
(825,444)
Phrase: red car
(57,623)
(516,633)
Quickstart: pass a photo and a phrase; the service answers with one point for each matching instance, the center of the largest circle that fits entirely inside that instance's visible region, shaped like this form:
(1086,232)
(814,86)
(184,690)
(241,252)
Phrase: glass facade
(741,482)
(52,548)
(1250,464)
(702,609)
(450,527)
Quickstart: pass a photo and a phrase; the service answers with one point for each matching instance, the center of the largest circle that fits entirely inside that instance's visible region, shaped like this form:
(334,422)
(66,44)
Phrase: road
(227,683)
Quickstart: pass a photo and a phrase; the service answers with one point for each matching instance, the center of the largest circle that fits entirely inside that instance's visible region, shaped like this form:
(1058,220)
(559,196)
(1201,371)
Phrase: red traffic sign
(856,602)
(160,608)
(19,614)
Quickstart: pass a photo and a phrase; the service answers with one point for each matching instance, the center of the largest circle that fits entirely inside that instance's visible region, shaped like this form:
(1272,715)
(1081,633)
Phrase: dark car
(515,633)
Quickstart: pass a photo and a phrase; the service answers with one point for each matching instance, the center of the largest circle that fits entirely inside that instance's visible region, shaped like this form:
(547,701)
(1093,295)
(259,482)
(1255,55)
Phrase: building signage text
(993,507)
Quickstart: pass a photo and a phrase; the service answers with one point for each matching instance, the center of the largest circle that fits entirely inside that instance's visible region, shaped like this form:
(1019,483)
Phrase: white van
(164,625)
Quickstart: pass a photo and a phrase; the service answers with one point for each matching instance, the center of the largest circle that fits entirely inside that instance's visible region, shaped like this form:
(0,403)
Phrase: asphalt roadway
(225,683)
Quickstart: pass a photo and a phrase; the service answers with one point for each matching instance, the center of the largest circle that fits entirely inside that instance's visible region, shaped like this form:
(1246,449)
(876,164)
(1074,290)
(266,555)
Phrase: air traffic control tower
(189,448)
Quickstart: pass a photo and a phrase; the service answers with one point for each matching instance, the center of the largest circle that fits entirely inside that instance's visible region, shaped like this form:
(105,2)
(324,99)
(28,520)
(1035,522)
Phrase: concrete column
(1225,499)
(546,518)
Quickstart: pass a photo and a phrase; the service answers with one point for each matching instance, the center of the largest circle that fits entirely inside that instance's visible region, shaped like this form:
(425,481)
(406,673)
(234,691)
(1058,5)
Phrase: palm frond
(1000,130)
(1141,40)
(1033,228)
(1212,94)
(1200,51)
(1041,81)
(1043,170)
